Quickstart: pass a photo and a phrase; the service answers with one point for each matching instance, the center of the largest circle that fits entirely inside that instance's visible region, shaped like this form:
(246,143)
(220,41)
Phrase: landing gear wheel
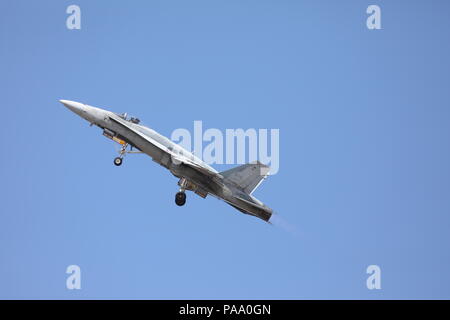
(180,198)
(118,161)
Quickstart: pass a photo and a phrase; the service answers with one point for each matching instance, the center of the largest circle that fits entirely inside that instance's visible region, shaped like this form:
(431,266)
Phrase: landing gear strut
(180,198)
(118,160)
(123,150)
(120,140)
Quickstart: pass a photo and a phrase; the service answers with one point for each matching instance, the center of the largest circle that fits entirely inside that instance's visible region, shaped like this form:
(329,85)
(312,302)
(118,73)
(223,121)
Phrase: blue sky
(364,149)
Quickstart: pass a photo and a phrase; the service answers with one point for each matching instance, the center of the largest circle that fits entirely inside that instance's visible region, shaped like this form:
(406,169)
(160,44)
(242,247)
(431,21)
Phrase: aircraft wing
(125,124)
(175,157)
(192,164)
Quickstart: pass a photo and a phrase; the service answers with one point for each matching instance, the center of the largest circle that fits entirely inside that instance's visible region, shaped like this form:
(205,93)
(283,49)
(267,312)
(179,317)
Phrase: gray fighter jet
(234,186)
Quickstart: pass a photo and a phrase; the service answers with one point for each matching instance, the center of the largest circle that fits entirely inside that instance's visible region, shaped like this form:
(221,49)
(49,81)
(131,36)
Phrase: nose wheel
(118,161)
(180,198)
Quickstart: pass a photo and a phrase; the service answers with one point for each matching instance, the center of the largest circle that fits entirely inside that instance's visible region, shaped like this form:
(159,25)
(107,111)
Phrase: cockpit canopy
(124,116)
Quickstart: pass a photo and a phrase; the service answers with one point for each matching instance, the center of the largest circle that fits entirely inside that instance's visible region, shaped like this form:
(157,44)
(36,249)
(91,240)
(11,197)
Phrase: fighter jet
(234,186)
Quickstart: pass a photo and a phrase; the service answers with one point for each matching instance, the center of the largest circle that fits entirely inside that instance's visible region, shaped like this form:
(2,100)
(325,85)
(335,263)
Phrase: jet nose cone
(67,103)
(73,106)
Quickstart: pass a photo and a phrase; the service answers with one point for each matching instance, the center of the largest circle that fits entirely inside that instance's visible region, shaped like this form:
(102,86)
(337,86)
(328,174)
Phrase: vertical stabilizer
(248,176)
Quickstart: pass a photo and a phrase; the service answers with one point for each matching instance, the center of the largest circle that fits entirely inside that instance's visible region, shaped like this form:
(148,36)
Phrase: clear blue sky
(364,148)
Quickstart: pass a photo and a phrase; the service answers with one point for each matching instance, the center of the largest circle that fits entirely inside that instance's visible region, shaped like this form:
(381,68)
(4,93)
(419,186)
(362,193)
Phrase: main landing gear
(180,197)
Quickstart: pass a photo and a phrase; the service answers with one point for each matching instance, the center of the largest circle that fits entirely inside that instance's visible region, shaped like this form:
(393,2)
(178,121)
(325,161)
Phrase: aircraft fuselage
(195,175)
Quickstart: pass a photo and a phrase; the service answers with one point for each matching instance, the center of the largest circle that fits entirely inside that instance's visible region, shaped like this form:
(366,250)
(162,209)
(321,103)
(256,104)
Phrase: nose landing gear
(123,151)
(118,161)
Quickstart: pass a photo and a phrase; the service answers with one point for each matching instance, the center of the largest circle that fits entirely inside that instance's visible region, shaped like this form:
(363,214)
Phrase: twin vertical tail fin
(247,176)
